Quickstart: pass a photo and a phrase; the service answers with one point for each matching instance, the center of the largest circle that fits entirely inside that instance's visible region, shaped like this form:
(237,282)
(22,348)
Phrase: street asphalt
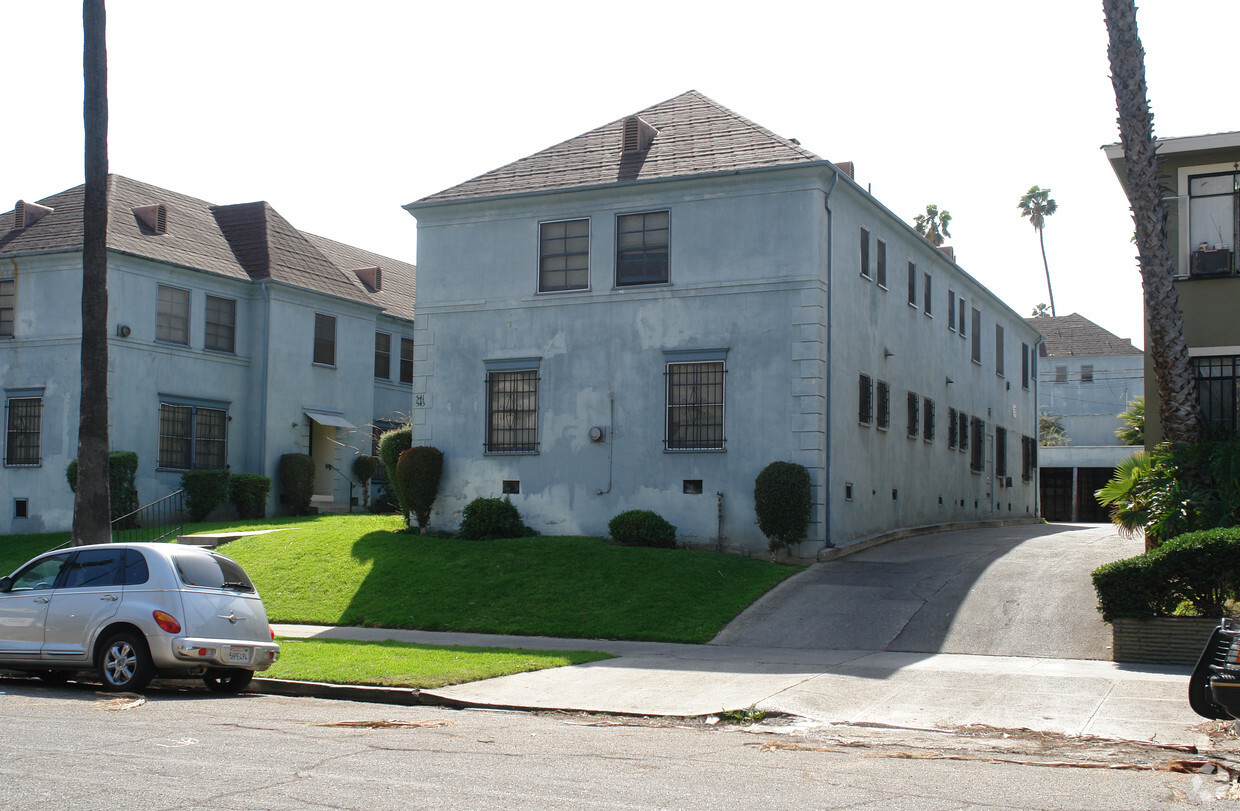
(972,627)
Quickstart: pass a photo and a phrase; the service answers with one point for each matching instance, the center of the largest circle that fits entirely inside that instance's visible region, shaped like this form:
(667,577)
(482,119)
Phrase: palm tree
(1037,205)
(1133,430)
(933,224)
(1178,409)
(90,506)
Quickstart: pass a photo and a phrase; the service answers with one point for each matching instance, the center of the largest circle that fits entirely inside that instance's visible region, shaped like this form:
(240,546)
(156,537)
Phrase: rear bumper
(225,653)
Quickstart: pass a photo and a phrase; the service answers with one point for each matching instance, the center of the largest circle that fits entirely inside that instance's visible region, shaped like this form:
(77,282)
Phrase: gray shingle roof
(1076,335)
(248,241)
(696,135)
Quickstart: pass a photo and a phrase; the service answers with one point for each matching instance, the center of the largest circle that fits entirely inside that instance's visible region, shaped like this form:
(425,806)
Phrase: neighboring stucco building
(1087,376)
(234,338)
(646,315)
(1201,178)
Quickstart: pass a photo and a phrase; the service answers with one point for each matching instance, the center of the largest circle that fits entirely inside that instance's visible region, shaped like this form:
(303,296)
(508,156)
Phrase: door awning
(328,418)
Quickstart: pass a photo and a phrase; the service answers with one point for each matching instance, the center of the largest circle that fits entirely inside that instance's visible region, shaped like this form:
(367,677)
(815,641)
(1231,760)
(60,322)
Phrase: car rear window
(211,571)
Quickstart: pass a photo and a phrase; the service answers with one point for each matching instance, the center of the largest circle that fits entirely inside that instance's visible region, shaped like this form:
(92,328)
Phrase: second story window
(220,325)
(1087,373)
(383,356)
(881,278)
(951,310)
(325,339)
(865,253)
(172,315)
(563,255)
(1024,366)
(406,360)
(999,350)
(1212,227)
(8,306)
(912,284)
(641,248)
(976,347)
(926,296)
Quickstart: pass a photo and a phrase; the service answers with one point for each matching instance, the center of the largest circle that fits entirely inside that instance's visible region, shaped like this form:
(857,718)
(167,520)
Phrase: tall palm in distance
(933,224)
(1037,204)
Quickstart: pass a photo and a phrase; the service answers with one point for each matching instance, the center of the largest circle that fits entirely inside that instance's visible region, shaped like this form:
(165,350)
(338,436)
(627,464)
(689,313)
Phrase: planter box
(1161,640)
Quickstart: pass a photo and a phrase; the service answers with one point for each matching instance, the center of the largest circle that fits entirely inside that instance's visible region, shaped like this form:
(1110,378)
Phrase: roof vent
(847,168)
(948,251)
(27,214)
(153,217)
(372,277)
(637,134)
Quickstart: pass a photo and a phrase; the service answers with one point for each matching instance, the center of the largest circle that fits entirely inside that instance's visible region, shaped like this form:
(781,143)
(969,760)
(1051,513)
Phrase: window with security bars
(325,339)
(927,419)
(563,255)
(963,431)
(694,406)
(1217,390)
(914,415)
(383,356)
(865,400)
(220,324)
(1028,457)
(952,434)
(192,437)
(8,306)
(24,427)
(406,360)
(512,411)
(977,462)
(641,248)
(172,315)
(1000,451)
(884,405)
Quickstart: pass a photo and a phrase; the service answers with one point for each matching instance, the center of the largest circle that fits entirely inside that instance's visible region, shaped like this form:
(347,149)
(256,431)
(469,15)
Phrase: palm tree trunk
(90,508)
(1047,267)
(1178,408)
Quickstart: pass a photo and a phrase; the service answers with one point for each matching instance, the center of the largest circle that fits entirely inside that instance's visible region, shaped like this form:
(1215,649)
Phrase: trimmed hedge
(642,528)
(782,499)
(122,491)
(248,493)
(485,519)
(204,491)
(391,445)
(419,470)
(296,473)
(1200,568)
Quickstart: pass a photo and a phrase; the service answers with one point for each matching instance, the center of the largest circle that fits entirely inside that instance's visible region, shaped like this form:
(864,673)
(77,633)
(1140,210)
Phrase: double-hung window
(172,315)
(383,356)
(563,255)
(694,420)
(8,306)
(512,406)
(406,360)
(23,431)
(220,324)
(642,248)
(192,436)
(324,339)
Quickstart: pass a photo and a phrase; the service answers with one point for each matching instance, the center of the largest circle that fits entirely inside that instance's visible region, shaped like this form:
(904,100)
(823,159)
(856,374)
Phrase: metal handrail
(166,514)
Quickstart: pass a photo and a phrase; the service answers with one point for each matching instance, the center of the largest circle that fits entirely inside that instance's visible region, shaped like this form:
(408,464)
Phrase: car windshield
(212,571)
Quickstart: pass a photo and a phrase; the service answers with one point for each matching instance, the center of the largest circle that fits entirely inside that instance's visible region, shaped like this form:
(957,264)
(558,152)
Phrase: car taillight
(272,631)
(166,621)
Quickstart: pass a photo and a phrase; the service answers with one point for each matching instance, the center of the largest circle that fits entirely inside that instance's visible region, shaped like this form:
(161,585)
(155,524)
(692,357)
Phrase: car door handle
(42,600)
(110,597)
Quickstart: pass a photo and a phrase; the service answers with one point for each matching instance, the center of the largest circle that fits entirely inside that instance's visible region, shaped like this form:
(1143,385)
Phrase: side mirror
(6,584)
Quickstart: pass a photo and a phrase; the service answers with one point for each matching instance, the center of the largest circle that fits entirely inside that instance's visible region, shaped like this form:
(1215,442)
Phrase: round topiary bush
(782,500)
(490,518)
(642,528)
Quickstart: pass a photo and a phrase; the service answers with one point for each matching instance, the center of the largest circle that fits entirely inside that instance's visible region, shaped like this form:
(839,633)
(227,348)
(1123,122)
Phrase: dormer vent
(372,277)
(154,218)
(638,135)
(847,168)
(27,214)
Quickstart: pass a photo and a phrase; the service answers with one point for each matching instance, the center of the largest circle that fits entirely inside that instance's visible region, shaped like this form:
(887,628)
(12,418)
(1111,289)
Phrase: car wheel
(227,681)
(53,677)
(125,663)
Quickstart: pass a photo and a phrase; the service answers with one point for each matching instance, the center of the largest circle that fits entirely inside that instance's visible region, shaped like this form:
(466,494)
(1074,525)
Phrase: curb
(403,696)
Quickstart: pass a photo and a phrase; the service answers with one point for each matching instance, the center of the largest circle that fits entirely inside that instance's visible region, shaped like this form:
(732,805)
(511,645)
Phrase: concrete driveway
(1006,591)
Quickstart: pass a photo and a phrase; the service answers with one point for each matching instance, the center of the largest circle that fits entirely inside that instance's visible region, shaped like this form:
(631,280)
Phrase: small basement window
(512,487)
(692,487)
(21,508)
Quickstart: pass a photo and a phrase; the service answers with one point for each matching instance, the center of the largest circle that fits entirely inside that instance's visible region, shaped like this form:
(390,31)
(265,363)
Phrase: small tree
(933,224)
(1050,431)
(391,445)
(782,500)
(418,471)
(1133,431)
(364,469)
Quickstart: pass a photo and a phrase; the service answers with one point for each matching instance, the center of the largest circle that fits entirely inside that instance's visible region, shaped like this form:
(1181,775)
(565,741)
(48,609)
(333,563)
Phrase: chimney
(948,251)
(27,214)
(638,135)
(847,168)
(154,217)
(371,277)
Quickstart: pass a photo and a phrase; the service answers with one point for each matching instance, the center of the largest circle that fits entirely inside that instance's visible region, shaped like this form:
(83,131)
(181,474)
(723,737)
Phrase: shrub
(391,445)
(488,518)
(385,501)
(122,490)
(642,528)
(296,473)
(364,468)
(419,470)
(204,491)
(782,501)
(248,493)
(1200,568)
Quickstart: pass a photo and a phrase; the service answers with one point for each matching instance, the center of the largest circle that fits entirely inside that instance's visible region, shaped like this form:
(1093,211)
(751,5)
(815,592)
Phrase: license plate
(239,655)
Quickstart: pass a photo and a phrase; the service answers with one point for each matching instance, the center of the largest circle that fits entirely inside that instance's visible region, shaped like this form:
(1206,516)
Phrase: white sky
(338,113)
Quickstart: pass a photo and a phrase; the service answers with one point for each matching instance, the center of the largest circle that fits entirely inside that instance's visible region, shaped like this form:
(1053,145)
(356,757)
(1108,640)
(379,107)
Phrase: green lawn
(400,664)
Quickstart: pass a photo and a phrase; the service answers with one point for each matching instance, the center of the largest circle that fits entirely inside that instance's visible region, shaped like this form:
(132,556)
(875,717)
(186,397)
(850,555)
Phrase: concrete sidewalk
(1076,697)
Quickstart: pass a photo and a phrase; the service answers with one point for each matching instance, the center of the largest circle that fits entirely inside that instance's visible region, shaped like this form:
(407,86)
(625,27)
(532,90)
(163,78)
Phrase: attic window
(153,218)
(27,214)
(372,277)
(638,134)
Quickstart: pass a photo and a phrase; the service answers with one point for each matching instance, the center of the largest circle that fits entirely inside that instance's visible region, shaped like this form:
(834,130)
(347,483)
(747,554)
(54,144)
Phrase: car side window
(94,568)
(41,574)
(136,571)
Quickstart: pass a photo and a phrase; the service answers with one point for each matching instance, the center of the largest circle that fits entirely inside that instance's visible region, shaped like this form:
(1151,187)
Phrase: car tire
(227,680)
(125,663)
